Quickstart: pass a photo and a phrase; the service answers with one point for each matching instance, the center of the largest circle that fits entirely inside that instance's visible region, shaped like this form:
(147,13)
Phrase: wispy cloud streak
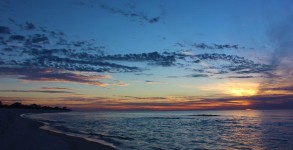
(50,75)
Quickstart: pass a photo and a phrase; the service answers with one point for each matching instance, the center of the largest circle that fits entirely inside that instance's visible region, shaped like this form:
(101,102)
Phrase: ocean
(177,130)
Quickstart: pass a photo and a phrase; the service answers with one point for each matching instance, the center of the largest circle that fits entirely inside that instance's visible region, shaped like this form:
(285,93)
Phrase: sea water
(165,130)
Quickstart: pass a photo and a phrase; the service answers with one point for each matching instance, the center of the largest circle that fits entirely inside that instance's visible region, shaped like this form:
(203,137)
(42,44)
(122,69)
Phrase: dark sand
(17,133)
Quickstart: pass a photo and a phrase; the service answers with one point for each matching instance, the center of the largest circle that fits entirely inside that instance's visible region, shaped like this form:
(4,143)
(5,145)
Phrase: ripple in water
(179,130)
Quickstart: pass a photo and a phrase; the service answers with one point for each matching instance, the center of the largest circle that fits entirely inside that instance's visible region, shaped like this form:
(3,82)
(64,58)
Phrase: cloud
(281,40)
(144,74)
(128,11)
(39,38)
(132,13)
(205,46)
(154,58)
(231,58)
(17,37)
(275,101)
(220,64)
(37,91)
(145,98)
(179,44)
(250,68)
(50,75)
(242,77)
(282,88)
(153,82)
(216,46)
(29,26)
(166,103)
(197,75)
(34,49)
(8,100)
(83,64)
(196,103)
(117,83)
(54,88)
(172,76)
(4,30)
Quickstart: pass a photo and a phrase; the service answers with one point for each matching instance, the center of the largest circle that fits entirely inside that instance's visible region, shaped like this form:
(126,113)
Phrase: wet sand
(17,133)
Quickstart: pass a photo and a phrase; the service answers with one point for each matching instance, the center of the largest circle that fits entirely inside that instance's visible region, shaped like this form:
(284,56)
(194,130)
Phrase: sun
(242,92)
(242,89)
(234,88)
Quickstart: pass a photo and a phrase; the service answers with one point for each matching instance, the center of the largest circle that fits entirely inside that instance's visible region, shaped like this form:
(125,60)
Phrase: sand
(17,133)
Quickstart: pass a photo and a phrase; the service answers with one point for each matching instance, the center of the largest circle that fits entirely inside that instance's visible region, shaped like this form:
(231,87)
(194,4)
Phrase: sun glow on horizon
(242,92)
(234,88)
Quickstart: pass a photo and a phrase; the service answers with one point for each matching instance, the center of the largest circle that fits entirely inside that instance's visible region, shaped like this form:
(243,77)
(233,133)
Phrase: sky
(147,55)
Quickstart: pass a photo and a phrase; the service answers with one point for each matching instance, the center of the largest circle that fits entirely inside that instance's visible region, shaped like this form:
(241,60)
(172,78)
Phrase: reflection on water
(181,129)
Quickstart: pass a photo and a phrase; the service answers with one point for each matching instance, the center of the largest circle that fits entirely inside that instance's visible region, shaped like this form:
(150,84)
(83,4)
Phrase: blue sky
(147,54)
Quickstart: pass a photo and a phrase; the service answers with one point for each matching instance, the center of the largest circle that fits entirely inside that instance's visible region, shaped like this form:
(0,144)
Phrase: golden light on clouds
(240,102)
(233,88)
(242,92)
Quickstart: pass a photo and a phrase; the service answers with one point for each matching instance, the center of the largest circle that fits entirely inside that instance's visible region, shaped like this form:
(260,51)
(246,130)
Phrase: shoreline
(19,133)
(46,126)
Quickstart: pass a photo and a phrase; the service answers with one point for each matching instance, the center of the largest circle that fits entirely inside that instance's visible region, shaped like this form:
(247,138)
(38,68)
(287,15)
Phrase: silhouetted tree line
(32,106)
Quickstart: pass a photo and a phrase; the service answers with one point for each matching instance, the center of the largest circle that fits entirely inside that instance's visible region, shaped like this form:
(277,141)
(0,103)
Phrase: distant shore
(17,133)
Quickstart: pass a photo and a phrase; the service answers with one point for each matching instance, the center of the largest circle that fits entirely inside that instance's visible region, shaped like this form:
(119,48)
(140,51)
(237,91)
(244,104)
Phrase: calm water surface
(156,130)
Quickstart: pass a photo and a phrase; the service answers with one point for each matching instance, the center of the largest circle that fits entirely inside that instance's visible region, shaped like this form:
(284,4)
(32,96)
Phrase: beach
(17,133)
